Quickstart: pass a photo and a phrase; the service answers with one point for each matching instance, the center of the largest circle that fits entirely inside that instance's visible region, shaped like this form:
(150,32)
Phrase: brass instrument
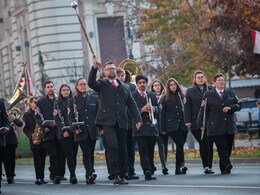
(17,97)
(151,115)
(132,69)
(38,132)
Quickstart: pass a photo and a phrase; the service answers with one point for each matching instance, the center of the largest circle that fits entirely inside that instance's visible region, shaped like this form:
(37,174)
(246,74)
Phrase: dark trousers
(85,146)
(9,160)
(70,149)
(162,142)
(130,168)
(146,150)
(224,145)
(116,149)
(206,148)
(92,152)
(62,162)
(106,156)
(54,151)
(179,137)
(39,156)
(2,150)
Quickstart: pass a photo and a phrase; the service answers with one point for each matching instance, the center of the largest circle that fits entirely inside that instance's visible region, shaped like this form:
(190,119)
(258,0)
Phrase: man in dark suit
(38,150)
(45,108)
(10,149)
(221,104)
(114,98)
(4,127)
(120,75)
(146,135)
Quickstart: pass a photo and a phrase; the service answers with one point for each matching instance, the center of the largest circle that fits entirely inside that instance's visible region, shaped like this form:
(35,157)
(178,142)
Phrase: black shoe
(208,171)
(10,180)
(43,182)
(110,177)
(228,169)
(178,171)
(133,177)
(119,181)
(73,180)
(56,180)
(95,175)
(125,177)
(91,179)
(148,175)
(184,169)
(165,171)
(38,182)
(51,178)
(63,178)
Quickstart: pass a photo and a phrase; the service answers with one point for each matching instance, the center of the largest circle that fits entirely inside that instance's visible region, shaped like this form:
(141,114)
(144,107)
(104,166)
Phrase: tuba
(132,69)
(17,97)
(38,132)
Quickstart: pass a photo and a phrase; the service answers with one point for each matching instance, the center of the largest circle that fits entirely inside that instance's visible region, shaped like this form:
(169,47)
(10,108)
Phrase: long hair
(59,98)
(168,94)
(77,82)
(199,72)
(162,86)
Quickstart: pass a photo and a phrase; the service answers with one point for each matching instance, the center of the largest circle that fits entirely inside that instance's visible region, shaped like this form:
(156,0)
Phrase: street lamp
(129,39)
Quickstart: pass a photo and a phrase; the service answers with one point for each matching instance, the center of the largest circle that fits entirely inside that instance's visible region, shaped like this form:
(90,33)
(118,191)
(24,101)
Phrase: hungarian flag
(256,41)
(25,83)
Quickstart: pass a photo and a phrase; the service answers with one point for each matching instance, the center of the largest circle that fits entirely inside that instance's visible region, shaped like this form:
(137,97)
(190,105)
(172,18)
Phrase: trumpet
(151,115)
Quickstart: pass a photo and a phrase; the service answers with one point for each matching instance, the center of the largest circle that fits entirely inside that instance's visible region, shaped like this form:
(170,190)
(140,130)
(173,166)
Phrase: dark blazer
(172,115)
(28,129)
(62,107)
(4,122)
(113,102)
(192,102)
(87,111)
(11,137)
(218,122)
(132,88)
(46,108)
(146,129)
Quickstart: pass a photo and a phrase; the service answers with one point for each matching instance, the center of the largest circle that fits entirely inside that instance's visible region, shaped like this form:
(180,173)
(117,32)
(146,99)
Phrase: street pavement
(244,179)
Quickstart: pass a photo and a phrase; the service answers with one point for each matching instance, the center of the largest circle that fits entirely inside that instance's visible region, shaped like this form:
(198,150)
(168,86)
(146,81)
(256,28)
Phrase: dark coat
(218,122)
(28,129)
(11,137)
(87,111)
(172,115)
(113,102)
(4,122)
(146,129)
(132,88)
(61,111)
(192,102)
(46,108)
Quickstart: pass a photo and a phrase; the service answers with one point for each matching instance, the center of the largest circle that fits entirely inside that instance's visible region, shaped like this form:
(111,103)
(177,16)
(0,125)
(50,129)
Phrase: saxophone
(38,132)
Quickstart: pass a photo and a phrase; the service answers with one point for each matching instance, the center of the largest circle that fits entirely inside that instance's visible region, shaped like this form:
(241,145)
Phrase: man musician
(114,98)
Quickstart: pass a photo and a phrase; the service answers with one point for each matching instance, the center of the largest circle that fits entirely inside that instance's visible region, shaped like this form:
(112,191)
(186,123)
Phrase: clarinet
(61,118)
(77,123)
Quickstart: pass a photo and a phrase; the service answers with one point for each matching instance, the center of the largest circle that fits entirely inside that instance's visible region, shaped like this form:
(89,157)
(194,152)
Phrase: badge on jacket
(55,112)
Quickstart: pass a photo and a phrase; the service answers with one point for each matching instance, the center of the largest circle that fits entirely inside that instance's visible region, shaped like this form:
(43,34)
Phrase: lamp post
(129,39)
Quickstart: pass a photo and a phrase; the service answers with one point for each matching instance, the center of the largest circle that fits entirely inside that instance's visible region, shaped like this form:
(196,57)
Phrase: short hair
(120,70)
(31,99)
(140,76)
(258,102)
(108,63)
(217,76)
(47,82)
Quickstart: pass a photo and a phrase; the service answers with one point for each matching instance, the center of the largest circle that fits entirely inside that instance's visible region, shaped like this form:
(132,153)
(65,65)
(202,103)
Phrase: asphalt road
(244,179)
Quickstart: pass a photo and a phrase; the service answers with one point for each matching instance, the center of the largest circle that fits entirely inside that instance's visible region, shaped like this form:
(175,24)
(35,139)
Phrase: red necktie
(201,91)
(84,98)
(113,83)
(51,100)
(221,94)
(158,98)
(142,94)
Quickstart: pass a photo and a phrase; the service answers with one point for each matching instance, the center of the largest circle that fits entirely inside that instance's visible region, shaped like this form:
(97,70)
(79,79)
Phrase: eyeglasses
(65,90)
(157,85)
(82,84)
(109,69)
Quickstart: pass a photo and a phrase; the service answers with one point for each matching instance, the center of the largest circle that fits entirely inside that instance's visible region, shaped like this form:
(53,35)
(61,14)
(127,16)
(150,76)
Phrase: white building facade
(51,27)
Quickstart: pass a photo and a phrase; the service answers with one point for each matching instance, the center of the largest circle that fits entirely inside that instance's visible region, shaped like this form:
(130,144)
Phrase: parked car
(247,117)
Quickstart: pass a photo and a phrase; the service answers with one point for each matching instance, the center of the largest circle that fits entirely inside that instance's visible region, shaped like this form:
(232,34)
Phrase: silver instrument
(151,115)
